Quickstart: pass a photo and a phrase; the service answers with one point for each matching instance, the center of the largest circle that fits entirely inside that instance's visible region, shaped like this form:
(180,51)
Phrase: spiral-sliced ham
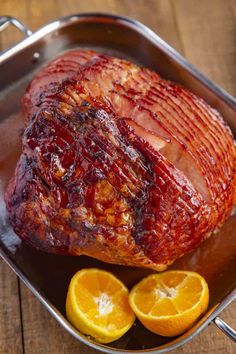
(119,164)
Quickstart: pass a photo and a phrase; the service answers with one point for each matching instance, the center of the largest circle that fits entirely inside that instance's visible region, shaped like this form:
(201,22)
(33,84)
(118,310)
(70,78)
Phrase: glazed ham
(119,164)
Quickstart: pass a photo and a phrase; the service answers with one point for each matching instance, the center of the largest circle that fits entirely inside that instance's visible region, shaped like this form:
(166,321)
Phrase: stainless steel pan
(48,275)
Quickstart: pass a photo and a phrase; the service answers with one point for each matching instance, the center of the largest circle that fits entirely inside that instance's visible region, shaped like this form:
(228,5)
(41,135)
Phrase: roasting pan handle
(224,327)
(5,21)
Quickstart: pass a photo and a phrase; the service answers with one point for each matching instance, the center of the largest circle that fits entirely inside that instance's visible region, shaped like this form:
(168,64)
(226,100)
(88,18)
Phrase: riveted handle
(6,21)
(224,327)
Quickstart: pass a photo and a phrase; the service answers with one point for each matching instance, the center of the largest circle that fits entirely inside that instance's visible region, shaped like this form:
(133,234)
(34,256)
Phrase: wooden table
(204,31)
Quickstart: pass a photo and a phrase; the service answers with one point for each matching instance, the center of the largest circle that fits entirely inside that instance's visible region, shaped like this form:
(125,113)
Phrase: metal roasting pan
(48,275)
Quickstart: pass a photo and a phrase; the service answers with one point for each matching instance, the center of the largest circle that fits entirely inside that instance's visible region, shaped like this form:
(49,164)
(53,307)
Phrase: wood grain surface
(204,31)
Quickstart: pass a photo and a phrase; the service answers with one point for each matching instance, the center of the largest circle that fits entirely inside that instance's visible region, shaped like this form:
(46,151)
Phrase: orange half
(97,304)
(169,303)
